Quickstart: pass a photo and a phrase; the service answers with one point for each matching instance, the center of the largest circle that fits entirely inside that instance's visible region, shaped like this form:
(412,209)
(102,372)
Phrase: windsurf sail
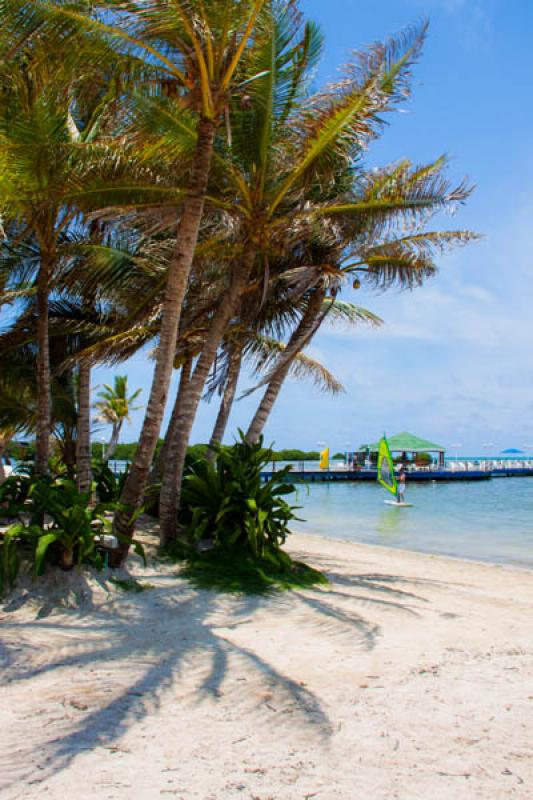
(324,459)
(386,474)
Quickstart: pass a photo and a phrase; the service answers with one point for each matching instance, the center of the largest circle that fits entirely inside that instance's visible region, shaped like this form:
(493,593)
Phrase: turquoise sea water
(486,521)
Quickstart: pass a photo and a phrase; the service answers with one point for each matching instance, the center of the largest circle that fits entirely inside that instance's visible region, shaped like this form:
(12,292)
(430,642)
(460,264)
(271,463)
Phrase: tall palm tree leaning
(43,159)
(261,351)
(34,135)
(210,39)
(388,246)
(197,45)
(275,63)
(114,408)
(285,152)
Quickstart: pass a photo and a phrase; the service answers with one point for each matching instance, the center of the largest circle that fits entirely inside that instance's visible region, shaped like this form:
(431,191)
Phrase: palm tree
(261,350)
(47,134)
(197,46)
(259,181)
(114,408)
(285,149)
(83,438)
(371,242)
(206,41)
(16,405)
(18,389)
(229,390)
(31,136)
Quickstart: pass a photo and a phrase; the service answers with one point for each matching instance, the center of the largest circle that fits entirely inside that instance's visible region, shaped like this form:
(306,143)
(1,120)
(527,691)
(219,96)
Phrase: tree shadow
(179,639)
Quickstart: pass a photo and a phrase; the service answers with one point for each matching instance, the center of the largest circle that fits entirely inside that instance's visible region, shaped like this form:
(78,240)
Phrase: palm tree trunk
(175,460)
(83,437)
(177,281)
(226,403)
(44,413)
(307,327)
(113,441)
(300,338)
(156,473)
(266,405)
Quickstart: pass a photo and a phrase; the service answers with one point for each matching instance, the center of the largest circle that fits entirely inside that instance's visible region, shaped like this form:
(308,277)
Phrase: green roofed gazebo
(408,443)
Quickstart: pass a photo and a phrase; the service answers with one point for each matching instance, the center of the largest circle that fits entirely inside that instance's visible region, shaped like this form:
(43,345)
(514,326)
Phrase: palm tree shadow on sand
(132,657)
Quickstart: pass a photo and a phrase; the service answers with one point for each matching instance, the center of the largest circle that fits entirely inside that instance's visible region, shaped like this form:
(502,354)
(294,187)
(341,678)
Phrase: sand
(409,677)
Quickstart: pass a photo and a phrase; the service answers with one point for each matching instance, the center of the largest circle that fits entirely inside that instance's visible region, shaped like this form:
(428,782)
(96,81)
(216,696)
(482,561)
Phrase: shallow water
(487,520)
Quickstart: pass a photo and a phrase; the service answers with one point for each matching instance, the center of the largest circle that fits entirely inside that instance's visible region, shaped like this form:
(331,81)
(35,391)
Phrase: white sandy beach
(409,677)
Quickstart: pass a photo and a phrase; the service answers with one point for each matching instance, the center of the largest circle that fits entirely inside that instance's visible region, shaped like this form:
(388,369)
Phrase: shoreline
(509,565)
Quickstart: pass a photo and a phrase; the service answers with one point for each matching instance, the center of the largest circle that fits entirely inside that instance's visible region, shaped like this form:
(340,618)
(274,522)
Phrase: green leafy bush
(71,535)
(13,494)
(247,521)
(108,485)
(75,524)
(229,503)
(9,558)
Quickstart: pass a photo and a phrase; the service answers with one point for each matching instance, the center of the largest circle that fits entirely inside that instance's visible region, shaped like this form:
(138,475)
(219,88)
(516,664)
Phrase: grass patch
(130,585)
(237,573)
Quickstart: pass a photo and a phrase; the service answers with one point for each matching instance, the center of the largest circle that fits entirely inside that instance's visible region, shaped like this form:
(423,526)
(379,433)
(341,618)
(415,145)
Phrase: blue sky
(453,362)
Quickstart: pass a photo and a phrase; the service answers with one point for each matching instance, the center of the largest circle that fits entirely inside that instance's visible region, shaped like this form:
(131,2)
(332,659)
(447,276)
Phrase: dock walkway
(422,475)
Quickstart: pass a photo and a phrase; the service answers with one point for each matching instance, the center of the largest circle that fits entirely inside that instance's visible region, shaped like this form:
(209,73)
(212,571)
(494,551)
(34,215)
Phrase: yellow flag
(324,459)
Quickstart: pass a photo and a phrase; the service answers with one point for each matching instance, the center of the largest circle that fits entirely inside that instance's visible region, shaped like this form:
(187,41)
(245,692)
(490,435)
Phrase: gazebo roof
(407,443)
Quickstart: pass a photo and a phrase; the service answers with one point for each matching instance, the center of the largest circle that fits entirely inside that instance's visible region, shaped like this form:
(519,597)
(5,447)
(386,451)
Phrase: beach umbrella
(512,451)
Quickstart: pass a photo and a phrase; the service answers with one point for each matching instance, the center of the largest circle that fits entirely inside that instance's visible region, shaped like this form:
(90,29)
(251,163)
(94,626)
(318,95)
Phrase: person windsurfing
(387,477)
(400,495)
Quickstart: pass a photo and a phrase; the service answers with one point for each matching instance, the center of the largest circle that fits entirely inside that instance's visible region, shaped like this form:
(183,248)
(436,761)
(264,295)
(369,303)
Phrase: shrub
(72,534)
(13,494)
(108,485)
(247,521)
(228,502)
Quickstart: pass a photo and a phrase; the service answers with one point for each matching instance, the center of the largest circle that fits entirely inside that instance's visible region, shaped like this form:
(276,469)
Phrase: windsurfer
(400,497)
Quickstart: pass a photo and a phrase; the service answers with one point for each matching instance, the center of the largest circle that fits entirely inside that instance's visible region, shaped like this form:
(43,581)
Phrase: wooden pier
(419,476)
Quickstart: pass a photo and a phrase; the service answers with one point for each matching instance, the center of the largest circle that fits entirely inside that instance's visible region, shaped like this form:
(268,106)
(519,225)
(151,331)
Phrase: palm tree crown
(114,408)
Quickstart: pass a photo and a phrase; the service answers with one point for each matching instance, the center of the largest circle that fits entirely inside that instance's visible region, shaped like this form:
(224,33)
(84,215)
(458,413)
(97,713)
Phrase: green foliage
(247,521)
(228,502)
(127,451)
(71,536)
(294,455)
(239,572)
(13,494)
(20,451)
(75,525)
(196,452)
(108,484)
(10,556)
